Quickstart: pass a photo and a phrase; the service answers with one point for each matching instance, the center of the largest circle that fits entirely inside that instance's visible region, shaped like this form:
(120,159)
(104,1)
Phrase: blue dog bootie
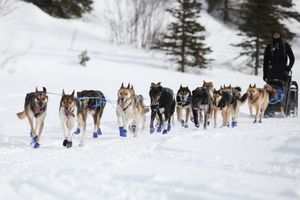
(123,132)
(169,127)
(95,135)
(77,131)
(165,131)
(34,139)
(133,128)
(233,124)
(36,145)
(182,122)
(159,129)
(99,132)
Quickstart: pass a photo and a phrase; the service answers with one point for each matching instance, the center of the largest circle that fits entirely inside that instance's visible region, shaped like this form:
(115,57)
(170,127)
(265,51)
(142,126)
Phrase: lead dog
(131,112)
(94,103)
(35,107)
(162,103)
(71,113)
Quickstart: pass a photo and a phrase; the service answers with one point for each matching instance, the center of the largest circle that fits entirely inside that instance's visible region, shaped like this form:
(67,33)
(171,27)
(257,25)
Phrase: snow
(252,161)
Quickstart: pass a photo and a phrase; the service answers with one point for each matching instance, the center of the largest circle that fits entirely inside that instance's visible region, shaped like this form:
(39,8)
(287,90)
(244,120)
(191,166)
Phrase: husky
(230,102)
(183,99)
(94,103)
(258,98)
(201,102)
(214,107)
(162,104)
(71,113)
(35,107)
(131,111)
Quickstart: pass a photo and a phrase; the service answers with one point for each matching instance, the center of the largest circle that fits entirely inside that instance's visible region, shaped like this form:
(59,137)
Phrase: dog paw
(197,125)
(69,144)
(65,142)
(255,121)
(36,145)
(95,135)
(260,121)
(77,131)
(186,126)
(99,132)
(30,134)
(81,144)
(165,131)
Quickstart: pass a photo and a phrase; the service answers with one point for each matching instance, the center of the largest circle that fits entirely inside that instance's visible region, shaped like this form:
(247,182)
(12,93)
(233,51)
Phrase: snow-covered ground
(252,161)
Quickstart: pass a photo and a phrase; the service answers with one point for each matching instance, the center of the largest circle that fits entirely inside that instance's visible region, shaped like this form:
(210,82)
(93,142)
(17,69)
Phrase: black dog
(183,99)
(162,102)
(201,102)
(94,103)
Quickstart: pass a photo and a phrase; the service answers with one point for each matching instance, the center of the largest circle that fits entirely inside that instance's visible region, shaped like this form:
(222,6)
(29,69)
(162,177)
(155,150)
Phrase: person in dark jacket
(276,59)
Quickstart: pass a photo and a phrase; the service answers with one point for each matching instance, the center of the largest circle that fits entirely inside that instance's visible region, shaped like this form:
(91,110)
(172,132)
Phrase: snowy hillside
(252,161)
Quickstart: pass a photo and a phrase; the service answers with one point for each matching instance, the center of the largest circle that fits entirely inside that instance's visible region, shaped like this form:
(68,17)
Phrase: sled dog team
(203,102)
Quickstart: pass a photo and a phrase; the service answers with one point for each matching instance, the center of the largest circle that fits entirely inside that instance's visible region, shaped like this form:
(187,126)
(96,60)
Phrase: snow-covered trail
(251,161)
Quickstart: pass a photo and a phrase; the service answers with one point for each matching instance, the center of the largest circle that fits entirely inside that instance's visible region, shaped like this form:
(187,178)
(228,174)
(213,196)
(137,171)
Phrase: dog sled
(285,103)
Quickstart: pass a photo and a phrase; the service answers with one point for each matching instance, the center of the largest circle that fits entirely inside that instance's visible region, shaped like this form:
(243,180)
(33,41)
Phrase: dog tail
(270,90)
(243,98)
(21,115)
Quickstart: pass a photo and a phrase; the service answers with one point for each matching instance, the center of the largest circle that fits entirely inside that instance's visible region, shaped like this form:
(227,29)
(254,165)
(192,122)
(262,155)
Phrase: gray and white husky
(71,113)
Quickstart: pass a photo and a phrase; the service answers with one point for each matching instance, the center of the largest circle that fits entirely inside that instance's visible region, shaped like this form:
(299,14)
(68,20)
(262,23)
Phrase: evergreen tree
(184,39)
(64,8)
(227,10)
(258,18)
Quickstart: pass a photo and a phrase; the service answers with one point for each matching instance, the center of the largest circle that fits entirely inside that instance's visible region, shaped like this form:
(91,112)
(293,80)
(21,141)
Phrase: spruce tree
(258,19)
(184,37)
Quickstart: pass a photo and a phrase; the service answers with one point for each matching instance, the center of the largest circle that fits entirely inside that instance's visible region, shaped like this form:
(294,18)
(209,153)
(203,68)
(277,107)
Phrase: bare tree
(136,22)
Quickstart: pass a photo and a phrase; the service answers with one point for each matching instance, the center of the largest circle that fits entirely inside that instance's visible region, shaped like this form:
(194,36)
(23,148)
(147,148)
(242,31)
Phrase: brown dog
(35,107)
(258,98)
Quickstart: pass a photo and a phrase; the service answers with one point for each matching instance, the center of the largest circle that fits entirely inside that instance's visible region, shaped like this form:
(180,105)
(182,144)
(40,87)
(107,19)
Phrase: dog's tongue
(37,110)
(153,102)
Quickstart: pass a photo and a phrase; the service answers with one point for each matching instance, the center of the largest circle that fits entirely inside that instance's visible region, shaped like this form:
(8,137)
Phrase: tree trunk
(226,16)
(256,55)
(183,43)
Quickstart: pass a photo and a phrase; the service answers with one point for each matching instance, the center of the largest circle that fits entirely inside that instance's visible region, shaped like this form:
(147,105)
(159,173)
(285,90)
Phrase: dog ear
(36,90)
(131,87)
(229,85)
(159,83)
(44,90)
(250,86)
(122,86)
(128,86)
(63,92)
(180,86)
(73,93)
(254,85)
